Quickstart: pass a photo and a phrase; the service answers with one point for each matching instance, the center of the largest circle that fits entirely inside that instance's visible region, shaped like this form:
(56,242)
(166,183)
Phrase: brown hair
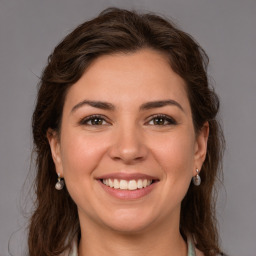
(54,222)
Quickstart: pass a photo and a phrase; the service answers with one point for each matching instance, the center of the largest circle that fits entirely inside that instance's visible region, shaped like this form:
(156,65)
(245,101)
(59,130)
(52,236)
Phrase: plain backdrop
(226,29)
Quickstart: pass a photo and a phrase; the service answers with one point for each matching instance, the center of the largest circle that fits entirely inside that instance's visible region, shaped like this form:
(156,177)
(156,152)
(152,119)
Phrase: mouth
(128,186)
(132,184)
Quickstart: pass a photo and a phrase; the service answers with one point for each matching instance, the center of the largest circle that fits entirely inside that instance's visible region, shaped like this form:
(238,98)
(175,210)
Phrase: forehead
(145,75)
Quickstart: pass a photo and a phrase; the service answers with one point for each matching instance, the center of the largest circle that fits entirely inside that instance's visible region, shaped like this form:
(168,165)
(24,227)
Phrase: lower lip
(128,194)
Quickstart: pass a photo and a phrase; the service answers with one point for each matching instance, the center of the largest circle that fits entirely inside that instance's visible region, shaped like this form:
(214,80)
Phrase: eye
(94,120)
(161,120)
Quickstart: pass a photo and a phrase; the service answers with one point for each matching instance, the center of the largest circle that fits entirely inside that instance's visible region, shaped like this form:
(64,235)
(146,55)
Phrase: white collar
(73,251)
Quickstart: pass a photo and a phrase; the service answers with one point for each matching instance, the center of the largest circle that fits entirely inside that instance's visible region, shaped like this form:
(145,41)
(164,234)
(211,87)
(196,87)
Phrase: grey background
(227,31)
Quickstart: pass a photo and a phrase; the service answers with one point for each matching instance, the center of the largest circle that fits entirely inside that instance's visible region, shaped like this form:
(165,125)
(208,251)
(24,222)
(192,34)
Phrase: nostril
(128,157)
(139,158)
(116,158)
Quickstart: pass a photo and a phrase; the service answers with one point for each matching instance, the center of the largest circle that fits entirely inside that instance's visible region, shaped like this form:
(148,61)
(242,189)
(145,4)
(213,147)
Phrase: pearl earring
(60,183)
(197,178)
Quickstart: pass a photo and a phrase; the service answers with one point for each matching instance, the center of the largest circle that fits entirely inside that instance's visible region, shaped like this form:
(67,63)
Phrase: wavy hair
(54,222)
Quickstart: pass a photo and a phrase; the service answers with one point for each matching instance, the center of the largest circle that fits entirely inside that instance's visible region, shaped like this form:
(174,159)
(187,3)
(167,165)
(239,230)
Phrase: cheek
(176,156)
(80,156)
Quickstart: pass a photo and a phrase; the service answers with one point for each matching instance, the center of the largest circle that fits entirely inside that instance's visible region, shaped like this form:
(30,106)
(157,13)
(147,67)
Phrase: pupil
(97,121)
(159,121)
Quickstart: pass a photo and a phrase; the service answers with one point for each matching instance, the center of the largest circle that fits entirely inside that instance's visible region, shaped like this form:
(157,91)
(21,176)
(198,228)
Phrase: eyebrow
(159,104)
(95,104)
(109,106)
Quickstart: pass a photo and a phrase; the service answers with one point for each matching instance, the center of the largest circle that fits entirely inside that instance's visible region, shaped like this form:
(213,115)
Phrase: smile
(127,184)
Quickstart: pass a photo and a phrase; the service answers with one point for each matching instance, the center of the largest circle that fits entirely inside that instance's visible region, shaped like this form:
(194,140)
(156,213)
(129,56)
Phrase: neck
(158,241)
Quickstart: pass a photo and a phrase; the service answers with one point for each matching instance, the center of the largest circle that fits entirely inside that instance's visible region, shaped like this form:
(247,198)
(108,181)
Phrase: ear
(201,146)
(54,143)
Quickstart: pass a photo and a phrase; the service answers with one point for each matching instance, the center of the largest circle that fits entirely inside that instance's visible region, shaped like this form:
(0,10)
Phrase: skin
(128,138)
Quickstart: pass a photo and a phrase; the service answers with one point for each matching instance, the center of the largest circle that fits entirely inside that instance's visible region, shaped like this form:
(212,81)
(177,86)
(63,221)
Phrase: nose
(128,146)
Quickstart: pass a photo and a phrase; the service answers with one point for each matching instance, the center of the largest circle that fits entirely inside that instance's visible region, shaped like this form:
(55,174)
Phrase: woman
(126,118)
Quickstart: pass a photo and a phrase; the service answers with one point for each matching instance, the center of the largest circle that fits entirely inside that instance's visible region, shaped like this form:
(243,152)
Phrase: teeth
(139,183)
(132,185)
(110,183)
(123,184)
(127,185)
(116,183)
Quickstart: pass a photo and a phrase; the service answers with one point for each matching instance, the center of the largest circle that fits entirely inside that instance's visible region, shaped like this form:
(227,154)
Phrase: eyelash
(164,118)
(85,121)
(167,120)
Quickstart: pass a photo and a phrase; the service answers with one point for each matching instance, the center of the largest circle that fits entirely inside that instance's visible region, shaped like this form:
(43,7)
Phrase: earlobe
(201,145)
(54,143)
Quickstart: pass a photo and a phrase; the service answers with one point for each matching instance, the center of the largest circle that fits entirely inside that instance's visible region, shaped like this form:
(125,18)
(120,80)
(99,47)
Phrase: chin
(128,223)
(129,228)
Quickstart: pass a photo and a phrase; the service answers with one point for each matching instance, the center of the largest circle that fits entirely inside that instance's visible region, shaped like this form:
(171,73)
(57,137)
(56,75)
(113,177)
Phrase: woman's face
(127,123)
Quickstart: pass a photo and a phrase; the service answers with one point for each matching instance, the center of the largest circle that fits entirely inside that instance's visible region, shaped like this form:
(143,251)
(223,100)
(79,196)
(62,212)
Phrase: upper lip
(126,176)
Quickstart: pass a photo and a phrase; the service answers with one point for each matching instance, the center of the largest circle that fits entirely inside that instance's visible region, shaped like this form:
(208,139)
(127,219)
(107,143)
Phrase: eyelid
(170,119)
(84,120)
